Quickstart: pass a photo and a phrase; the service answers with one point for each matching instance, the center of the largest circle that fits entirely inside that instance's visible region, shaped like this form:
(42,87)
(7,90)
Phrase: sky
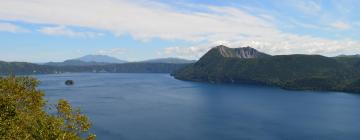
(134,30)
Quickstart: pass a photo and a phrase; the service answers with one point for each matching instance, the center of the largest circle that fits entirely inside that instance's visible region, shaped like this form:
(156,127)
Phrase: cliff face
(215,55)
(245,52)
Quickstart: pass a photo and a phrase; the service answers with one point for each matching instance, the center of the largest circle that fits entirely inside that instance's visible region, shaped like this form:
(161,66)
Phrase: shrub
(23,114)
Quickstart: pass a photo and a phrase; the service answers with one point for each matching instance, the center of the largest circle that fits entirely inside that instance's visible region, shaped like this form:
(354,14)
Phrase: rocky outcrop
(244,52)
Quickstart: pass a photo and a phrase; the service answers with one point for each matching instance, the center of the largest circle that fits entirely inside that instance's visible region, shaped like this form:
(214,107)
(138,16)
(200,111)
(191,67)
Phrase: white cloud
(193,52)
(340,25)
(287,44)
(145,20)
(64,31)
(12,28)
(309,7)
(112,51)
(304,25)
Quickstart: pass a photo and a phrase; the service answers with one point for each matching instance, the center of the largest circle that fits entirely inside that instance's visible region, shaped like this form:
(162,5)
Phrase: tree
(23,114)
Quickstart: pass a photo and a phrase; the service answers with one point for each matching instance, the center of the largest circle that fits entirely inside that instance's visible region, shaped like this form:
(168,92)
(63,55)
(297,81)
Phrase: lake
(159,107)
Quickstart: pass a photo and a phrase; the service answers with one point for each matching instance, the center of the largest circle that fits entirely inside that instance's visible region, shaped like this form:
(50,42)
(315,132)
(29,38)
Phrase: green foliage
(303,72)
(23,117)
(29,68)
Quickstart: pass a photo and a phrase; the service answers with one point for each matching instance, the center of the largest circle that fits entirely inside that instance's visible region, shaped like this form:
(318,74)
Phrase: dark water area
(159,107)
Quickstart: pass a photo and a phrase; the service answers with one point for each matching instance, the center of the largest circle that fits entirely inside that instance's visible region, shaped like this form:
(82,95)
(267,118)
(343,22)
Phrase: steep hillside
(308,72)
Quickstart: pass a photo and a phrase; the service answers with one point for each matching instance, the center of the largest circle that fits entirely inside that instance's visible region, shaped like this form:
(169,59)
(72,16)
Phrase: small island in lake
(69,82)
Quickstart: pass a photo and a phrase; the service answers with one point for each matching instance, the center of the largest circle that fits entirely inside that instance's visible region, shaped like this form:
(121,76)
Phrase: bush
(23,114)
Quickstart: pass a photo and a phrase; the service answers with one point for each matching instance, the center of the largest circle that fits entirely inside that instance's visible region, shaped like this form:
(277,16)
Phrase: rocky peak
(243,52)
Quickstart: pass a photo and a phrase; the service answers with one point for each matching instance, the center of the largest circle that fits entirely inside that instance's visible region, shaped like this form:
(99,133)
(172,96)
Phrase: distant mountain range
(95,63)
(74,62)
(100,59)
(355,55)
(24,68)
(91,60)
(88,60)
(301,72)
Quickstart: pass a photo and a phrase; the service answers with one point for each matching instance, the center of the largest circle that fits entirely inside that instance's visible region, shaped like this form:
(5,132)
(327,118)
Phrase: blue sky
(41,31)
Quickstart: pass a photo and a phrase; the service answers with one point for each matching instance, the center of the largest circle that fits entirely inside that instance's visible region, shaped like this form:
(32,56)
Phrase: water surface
(158,107)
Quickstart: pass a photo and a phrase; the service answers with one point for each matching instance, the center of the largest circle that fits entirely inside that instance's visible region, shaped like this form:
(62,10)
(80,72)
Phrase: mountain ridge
(100,59)
(74,62)
(88,60)
(242,52)
(300,72)
(25,68)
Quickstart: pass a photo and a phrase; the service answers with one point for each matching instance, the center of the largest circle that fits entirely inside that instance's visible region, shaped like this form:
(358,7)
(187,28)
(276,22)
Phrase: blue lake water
(159,107)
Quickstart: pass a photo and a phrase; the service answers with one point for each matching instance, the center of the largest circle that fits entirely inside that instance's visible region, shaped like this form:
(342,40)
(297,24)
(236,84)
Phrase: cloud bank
(64,31)
(12,28)
(340,25)
(146,20)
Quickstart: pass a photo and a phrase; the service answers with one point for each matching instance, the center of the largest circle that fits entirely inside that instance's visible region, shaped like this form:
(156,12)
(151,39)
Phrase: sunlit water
(159,107)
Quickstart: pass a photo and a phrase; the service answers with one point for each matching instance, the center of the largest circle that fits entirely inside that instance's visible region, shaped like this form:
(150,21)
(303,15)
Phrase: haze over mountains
(89,60)
(100,59)
(95,64)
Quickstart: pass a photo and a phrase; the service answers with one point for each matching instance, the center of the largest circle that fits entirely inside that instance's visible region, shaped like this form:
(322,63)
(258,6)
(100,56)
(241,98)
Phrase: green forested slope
(313,72)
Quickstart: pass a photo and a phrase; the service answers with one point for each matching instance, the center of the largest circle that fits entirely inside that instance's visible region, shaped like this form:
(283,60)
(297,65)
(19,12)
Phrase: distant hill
(24,68)
(247,65)
(355,55)
(91,60)
(88,60)
(169,60)
(74,62)
(100,59)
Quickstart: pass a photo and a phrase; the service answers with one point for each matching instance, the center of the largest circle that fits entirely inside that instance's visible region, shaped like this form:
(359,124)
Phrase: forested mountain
(30,68)
(24,68)
(88,60)
(91,60)
(305,72)
(100,59)
(74,62)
